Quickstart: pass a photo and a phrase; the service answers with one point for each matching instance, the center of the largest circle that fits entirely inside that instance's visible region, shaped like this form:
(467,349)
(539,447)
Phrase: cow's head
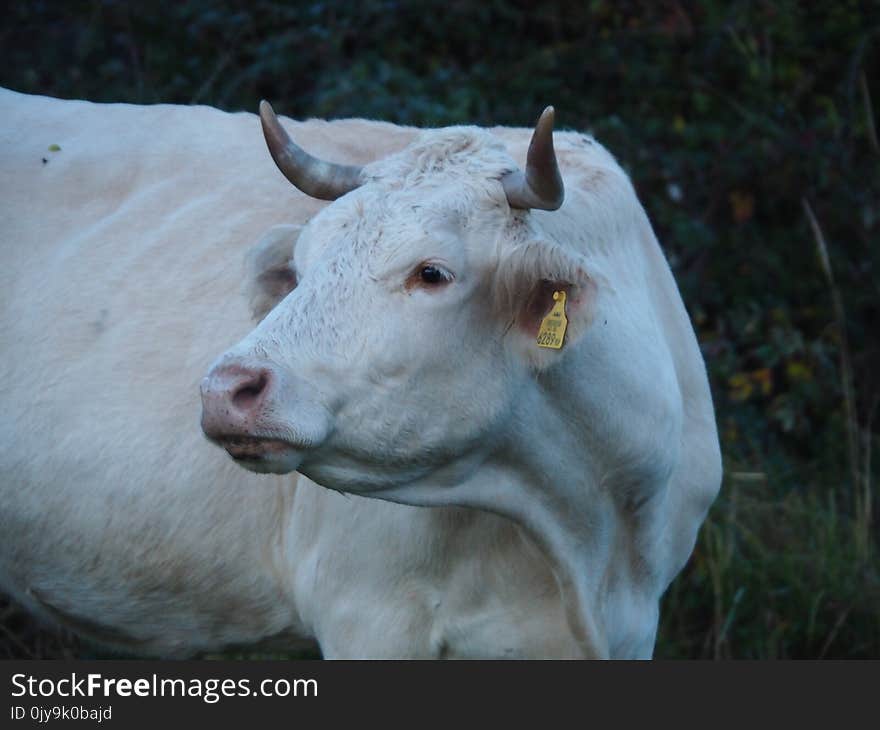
(399,325)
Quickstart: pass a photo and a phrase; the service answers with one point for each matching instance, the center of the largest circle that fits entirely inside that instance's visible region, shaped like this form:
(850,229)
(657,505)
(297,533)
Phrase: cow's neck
(542,477)
(587,454)
(578,477)
(552,487)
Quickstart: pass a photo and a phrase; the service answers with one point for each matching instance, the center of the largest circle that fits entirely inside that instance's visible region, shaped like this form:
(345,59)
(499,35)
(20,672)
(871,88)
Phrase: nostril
(248,393)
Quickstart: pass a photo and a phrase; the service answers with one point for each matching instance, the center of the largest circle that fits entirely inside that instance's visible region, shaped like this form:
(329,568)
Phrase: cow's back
(123,232)
(121,280)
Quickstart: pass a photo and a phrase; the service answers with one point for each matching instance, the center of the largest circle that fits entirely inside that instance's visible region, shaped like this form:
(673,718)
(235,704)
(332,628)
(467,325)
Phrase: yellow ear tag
(552,331)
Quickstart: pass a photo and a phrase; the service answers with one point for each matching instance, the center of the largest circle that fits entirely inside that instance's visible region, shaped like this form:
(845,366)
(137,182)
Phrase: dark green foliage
(728,116)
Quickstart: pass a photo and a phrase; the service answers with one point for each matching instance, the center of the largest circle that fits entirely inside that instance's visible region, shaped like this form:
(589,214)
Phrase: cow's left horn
(320,179)
(540,186)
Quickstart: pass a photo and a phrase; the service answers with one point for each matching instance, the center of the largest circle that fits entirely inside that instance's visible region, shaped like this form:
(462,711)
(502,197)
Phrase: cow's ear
(527,279)
(269,269)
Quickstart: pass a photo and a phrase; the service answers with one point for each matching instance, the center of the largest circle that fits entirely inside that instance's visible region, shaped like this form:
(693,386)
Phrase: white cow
(119,286)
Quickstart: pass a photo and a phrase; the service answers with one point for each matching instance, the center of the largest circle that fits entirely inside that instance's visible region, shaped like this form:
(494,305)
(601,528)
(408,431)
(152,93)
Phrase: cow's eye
(428,276)
(434,275)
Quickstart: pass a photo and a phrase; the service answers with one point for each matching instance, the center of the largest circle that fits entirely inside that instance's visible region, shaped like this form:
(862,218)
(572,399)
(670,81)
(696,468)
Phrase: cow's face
(399,326)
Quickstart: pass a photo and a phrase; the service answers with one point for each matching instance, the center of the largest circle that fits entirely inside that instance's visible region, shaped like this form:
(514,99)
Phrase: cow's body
(121,280)
(121,285)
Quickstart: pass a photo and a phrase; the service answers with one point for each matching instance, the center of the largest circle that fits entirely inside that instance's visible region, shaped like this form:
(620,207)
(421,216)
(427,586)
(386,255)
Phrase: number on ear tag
(552,331)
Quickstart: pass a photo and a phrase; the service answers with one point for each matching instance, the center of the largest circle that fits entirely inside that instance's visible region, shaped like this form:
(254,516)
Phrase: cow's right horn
(320,179)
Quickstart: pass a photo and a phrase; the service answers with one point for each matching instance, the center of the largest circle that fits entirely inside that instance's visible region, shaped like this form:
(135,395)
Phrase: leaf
(798,371)
(764,380)
(742,206)
(740,386)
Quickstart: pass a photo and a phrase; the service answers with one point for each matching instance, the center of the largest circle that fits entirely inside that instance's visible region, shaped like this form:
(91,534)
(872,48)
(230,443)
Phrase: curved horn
(540,186)
(320,179)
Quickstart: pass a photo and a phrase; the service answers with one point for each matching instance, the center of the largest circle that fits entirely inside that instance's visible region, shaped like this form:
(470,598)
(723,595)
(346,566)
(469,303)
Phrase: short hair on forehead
(439,155)
(423,192)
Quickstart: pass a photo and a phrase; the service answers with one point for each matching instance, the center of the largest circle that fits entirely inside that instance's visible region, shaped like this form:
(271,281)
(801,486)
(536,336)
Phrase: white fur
(606,451)
(122,270)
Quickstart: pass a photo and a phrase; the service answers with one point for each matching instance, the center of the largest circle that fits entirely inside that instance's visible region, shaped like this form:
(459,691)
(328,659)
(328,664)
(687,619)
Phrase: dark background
(749,129)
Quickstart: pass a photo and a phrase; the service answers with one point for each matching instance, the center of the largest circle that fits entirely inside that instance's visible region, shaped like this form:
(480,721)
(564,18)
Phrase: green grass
(775,578)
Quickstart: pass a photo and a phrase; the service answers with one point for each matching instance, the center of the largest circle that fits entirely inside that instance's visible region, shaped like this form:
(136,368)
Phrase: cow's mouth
(251,448)
(264,455)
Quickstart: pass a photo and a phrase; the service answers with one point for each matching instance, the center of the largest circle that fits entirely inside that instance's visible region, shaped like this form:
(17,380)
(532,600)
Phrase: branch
(846,373)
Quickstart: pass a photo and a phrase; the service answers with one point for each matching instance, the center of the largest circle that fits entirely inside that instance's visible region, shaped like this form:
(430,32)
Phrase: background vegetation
(749,130)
